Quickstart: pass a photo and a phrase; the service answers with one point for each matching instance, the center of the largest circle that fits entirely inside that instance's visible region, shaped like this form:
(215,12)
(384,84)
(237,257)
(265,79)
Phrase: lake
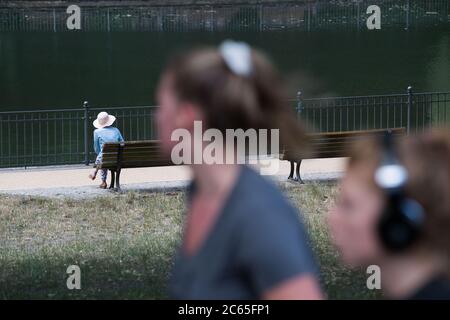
(46,70)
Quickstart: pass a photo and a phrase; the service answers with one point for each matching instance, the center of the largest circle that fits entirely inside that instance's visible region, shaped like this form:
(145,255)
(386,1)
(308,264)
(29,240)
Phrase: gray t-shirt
(257,242)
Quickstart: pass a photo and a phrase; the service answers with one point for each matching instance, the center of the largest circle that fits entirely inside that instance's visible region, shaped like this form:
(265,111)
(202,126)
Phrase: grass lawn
(124,245)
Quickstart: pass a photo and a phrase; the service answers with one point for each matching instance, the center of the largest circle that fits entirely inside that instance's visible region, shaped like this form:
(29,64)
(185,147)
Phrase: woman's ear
(186,114)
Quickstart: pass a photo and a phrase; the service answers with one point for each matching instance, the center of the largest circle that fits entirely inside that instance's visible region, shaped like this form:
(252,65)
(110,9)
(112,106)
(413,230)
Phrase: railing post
(357,16)
(86,126)
(410,102)
(299,106)
(107,16)
(261,17)
(54,20)
(309,17)
(407,15)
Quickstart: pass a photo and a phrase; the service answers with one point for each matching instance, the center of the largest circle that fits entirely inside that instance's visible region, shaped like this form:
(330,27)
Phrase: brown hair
(426,156)
(230,101)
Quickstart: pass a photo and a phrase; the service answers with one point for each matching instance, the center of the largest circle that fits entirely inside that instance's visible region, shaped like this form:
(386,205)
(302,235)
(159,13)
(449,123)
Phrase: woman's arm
(302,287)
(120,138)
(274,250)
(96,143)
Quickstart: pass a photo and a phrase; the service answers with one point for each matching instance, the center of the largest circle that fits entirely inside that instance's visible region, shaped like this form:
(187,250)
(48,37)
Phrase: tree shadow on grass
(135,273)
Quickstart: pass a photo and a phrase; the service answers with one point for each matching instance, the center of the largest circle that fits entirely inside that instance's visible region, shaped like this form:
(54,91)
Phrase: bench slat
(147,153)
(336,144)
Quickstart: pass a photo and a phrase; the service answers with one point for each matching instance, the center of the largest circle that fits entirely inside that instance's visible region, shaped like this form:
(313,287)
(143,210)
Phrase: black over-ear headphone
(402,218)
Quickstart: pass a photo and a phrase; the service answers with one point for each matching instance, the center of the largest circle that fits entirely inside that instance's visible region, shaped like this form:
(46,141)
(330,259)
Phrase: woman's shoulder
(108,129)
(269,233)
(260,196)
(115,129)
(436,289)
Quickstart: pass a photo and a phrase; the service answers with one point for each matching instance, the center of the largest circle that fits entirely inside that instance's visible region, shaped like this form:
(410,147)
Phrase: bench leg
(118,180)
(291,174)
(298,176)
(113,179)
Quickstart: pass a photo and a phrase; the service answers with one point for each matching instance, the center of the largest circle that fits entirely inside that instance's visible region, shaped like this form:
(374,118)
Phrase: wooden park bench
(131,154)
(333,145)
(139,154)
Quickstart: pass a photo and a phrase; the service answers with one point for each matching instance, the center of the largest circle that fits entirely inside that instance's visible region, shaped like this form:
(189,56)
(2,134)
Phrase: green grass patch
(124,245)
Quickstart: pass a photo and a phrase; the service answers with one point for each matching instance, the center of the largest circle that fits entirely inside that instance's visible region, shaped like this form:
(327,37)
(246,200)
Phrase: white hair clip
(237,56)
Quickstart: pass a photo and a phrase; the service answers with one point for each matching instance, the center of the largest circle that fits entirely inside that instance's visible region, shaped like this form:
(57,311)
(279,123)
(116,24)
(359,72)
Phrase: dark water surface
(44,70)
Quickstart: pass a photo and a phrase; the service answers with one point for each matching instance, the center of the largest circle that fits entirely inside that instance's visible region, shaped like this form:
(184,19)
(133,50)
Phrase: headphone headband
(402,218)
(390,176)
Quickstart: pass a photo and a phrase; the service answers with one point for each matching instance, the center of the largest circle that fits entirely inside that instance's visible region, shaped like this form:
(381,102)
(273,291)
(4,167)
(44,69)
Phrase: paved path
(73,181)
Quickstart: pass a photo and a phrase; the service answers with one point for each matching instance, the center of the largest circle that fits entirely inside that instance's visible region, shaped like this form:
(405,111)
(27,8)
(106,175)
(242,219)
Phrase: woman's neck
(214,180)
(403,276)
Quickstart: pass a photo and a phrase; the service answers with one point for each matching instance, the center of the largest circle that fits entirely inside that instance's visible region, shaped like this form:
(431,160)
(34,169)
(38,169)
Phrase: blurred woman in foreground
(394,212)
(242,239)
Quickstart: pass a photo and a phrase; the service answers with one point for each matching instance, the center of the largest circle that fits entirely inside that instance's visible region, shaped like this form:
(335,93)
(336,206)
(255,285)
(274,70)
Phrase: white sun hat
(103,120)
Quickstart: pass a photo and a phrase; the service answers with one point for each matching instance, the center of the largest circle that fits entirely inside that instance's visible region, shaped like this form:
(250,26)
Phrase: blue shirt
(257,242)
(103,135)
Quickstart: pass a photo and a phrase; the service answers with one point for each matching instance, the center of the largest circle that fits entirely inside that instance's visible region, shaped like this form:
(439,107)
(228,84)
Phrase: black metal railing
(55,137)
(275,15)
(413,111)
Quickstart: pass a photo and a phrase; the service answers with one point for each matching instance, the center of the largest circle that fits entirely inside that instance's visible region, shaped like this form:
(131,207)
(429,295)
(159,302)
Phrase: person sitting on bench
(105,132)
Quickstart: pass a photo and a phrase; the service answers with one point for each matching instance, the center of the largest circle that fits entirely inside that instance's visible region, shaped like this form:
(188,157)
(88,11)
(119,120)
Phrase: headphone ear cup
(400,224)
